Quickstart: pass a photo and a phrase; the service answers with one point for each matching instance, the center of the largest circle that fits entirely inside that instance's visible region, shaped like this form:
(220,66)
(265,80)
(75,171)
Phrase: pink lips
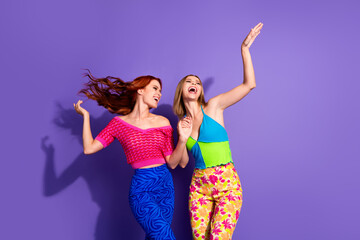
(157,99)
(192,88)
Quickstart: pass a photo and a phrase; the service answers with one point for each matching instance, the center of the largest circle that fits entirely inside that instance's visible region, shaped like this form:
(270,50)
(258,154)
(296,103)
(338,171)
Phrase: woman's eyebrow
(157,86)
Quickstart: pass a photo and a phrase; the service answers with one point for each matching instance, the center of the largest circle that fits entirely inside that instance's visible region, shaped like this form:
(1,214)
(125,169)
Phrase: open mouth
(157,99)
(192,90)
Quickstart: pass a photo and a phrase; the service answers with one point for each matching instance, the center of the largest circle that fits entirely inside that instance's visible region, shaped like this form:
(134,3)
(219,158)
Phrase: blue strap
(202,109)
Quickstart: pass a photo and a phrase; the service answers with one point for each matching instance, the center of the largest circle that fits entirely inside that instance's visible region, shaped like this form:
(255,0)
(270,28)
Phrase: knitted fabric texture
(142,147)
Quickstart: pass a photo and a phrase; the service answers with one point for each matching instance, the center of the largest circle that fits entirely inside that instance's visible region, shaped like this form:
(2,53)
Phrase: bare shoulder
(211,107)
(122,117)
(213,110)
(160,121)
(212,103)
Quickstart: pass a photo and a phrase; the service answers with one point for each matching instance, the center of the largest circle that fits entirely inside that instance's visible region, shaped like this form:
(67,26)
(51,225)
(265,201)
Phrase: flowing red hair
(113,93)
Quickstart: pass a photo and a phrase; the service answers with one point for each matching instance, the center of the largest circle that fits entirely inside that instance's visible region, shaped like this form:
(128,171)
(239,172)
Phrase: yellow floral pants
(215,201)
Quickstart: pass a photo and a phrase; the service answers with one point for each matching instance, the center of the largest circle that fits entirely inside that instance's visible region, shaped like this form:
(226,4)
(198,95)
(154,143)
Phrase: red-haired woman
(215,192)
(147,140)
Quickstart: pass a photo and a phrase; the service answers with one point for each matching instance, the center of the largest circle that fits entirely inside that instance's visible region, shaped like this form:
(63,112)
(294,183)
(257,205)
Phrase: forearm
(184,159)
(177,154)
(249,74)
(87,136)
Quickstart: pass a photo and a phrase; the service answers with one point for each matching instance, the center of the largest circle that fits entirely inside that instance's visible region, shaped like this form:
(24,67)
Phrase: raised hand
(46,147)
(79,109)
(184,128)
(252,35)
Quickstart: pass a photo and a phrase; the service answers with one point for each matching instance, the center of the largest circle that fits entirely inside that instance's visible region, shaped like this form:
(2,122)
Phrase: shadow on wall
(106,174)
(108,177)
(207,83)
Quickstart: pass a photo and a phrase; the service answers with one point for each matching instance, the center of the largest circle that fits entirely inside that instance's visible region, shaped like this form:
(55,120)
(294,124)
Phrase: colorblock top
(212,147)
(142,147)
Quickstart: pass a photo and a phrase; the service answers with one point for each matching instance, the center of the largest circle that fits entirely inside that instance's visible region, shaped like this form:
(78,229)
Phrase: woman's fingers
(187,121)
(258,26)
(185,124)
(254,32)
(79,103)
(78,108)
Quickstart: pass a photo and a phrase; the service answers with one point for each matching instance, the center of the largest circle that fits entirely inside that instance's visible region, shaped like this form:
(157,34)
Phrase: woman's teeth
(193,89)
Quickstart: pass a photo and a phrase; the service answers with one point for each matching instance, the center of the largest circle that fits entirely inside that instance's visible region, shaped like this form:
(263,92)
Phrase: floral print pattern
(215,201)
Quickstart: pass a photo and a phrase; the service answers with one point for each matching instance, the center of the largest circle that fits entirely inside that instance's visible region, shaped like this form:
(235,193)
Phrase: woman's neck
(192,108)
(139,112)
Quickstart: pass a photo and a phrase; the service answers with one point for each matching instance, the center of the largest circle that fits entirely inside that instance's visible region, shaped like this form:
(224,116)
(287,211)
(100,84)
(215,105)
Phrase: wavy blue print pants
(151,200)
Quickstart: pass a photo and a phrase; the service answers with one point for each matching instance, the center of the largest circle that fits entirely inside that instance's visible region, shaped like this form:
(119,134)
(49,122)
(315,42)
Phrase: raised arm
(231,97)
(180,155)
(184,133)
(90,145)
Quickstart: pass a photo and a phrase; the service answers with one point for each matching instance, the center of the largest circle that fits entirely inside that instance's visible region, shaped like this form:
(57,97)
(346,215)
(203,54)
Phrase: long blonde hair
(178,105)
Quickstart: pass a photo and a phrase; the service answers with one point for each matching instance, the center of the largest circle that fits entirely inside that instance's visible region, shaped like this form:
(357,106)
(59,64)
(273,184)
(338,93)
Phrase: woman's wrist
(86,115)
(182,139)
(244,49)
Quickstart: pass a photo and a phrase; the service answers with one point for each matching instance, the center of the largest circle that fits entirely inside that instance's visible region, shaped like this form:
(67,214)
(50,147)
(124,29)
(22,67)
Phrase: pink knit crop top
(142,147)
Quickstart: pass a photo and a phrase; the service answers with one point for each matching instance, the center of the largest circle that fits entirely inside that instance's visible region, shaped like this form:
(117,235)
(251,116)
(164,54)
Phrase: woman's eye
(198,83)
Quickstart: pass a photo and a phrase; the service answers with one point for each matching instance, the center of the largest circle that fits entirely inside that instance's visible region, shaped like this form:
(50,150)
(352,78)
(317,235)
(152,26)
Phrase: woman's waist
(146,162)
(212,156)
(152,169)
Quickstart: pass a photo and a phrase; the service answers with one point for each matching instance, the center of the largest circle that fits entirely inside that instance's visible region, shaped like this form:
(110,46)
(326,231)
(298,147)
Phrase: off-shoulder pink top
(142,147)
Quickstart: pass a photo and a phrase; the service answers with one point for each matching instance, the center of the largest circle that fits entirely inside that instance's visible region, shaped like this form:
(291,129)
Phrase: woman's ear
(140,91)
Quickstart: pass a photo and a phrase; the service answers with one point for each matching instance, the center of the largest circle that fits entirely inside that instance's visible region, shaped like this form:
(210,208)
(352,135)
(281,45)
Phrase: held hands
(184,128)
(251,36)
(79,109)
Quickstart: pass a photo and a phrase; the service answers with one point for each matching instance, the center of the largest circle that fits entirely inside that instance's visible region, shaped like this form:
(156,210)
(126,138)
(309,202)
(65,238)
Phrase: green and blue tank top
(212,147)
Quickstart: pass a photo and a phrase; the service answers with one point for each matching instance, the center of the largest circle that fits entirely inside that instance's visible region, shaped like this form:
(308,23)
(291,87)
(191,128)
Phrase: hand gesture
(79,109)
(185,128)
(47,148)
(252,35)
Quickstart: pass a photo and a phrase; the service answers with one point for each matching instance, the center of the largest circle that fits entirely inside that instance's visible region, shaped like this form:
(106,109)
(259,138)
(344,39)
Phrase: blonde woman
(215,192)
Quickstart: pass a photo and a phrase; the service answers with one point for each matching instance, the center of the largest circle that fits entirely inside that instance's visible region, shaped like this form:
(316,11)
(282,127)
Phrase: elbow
(172,166)
(87,151)
(183,165)
(249,86)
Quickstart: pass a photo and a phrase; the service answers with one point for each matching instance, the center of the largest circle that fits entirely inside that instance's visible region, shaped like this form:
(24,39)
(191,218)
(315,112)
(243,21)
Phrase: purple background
(295,138)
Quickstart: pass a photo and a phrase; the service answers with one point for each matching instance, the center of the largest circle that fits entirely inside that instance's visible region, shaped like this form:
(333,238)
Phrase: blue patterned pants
(151,200)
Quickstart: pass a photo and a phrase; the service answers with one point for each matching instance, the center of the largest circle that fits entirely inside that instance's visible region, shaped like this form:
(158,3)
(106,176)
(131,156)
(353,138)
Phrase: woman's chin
(190,98)
(153,106)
